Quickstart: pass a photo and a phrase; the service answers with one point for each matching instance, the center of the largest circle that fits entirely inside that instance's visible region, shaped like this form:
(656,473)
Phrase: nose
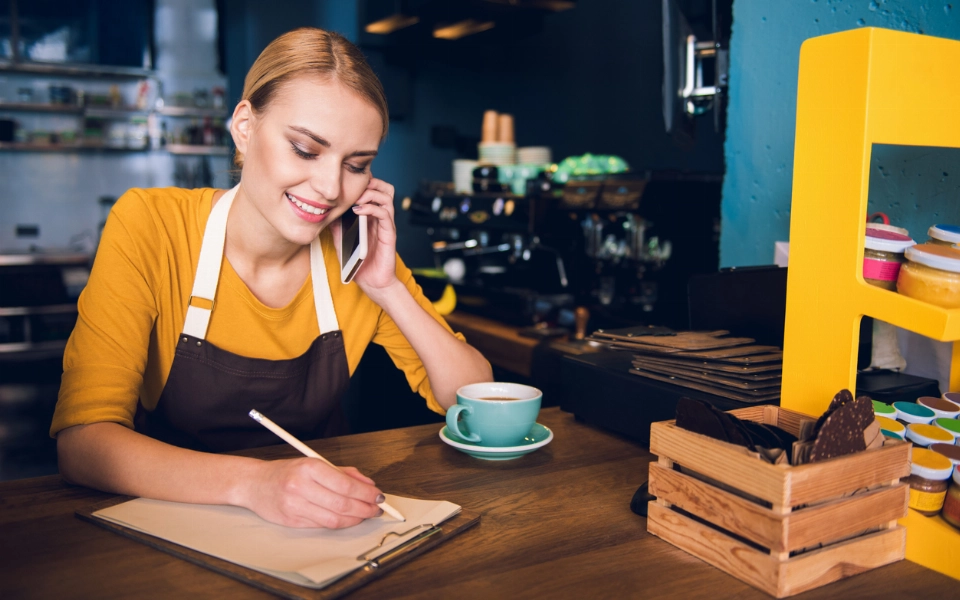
(325,178)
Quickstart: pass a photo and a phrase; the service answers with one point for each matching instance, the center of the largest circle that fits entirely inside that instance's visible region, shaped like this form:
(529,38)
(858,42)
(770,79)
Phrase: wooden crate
(779,528)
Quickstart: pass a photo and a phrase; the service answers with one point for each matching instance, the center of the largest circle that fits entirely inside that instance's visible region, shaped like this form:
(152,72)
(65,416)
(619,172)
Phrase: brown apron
(209,391)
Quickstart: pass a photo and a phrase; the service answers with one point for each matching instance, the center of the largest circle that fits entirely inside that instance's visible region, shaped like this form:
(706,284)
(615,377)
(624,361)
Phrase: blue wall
(914,186)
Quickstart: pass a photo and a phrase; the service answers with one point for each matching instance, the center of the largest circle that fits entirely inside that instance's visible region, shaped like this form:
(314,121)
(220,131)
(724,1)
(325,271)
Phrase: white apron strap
(208,275)
(208,267)
(322,299)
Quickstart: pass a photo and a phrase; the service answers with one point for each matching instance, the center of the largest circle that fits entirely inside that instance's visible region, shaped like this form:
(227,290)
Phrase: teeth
(306,207)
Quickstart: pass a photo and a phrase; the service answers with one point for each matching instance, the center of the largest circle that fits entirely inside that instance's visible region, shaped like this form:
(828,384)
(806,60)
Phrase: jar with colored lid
(924,435)
(882,256)
(951,452)
(929,473)
(951,503)
(944,235)
(932,275)
(882,409)
(940,407)
(951,426)
(909,412)
(952,397)
(891,428)
(888,227)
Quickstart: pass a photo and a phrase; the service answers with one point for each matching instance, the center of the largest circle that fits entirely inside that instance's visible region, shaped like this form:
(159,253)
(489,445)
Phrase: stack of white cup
(463,175)
(534,155)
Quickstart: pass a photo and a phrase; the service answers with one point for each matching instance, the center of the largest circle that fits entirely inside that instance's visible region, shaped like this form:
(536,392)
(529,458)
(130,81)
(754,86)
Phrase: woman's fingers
(308,492)
(379,193)
(353,472)
(306,514)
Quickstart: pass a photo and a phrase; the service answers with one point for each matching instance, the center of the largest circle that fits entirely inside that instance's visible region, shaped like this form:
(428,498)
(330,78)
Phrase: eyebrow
(326,144)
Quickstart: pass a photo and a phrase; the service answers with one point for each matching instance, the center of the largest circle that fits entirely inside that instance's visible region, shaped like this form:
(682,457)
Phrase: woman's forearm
(113,458)
(449,362)
(300,492)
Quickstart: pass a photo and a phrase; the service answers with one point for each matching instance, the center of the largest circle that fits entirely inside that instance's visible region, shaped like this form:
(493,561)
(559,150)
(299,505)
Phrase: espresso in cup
(494,414)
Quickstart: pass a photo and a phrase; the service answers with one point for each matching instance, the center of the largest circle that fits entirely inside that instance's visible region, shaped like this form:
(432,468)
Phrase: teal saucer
(538,437)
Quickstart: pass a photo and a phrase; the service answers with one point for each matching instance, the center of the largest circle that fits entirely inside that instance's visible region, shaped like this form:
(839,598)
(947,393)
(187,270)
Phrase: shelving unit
(60,109)
(197,150)
(189,111)
(72,70)
(102,112)
(856,89)
(65,147)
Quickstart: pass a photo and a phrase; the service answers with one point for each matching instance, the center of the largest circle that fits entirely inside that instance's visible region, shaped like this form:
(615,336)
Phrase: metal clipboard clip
(375,562)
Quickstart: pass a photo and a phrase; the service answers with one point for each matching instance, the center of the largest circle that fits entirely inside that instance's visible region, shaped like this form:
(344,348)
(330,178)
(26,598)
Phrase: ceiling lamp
(554,5)
(389,16)
(392,23)
(461,29)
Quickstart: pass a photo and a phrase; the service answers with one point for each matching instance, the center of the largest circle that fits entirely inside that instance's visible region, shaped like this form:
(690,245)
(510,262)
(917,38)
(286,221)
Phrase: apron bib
(209,391)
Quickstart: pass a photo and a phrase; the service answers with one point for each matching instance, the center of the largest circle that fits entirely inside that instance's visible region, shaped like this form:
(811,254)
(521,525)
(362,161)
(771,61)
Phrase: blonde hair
(311,51)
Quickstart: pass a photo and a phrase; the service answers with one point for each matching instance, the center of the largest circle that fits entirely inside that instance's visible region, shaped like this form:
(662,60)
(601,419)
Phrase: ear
(241,125)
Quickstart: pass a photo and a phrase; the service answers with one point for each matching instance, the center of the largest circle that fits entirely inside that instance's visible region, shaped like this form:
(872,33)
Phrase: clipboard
(378,564)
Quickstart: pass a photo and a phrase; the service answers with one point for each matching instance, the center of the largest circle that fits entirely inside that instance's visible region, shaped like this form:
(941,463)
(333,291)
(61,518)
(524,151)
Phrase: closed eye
(302,153)
(356,169)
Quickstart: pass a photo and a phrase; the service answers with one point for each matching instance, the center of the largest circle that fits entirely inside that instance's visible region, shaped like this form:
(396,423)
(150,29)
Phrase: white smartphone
(353,244)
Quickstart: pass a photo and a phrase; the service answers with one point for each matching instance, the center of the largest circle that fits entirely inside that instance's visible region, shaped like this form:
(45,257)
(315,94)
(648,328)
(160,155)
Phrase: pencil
(307,451)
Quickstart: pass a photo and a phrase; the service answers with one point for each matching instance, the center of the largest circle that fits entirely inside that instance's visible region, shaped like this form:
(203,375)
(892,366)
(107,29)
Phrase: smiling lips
(308,212)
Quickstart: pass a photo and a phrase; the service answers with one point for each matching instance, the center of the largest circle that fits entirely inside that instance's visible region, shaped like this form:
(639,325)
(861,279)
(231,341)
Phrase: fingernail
(379,512)
(356,208)
(380,499)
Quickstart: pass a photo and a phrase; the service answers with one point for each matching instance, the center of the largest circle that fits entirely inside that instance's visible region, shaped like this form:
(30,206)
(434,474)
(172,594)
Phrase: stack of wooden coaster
(707,361)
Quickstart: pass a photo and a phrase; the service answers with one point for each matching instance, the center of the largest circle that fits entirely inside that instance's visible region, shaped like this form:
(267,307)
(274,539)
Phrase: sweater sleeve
(401,352)
(106,354)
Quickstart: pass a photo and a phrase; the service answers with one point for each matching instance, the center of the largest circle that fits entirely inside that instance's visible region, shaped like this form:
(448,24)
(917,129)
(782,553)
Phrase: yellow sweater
(133,308)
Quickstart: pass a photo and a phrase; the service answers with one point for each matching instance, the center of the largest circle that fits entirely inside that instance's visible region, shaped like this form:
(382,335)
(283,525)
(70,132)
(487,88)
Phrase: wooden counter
(555,524)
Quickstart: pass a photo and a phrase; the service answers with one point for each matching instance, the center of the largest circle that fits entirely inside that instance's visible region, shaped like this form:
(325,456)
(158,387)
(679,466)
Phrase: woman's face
(307,155)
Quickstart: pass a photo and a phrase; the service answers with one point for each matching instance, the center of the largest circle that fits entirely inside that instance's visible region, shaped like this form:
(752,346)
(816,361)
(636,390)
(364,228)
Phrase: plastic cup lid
(946,233)
(886,241)
(914,410)
(882,408)
(930,465)
(951,425)
(891,425)
(949,450)
(939,405)
(927,434)
(944,258)
(884,227)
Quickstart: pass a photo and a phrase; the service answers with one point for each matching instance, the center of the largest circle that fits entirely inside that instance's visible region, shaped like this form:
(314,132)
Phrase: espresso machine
(621,246)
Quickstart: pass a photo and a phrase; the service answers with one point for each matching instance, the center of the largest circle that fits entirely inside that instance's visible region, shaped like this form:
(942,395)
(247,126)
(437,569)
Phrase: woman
(174,345)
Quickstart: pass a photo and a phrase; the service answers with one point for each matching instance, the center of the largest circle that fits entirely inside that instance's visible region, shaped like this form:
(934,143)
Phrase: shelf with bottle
(85,71)
(201,103)
(90,112)
(198,150)
(47,107)
(192,111)
(130,116)
(208,136)
(81,146)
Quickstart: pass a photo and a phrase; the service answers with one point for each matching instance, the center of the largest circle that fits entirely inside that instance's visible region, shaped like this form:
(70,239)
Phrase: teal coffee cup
(494,414)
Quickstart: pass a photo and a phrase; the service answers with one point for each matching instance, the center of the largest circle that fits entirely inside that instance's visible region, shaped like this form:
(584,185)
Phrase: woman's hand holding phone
(379,269)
